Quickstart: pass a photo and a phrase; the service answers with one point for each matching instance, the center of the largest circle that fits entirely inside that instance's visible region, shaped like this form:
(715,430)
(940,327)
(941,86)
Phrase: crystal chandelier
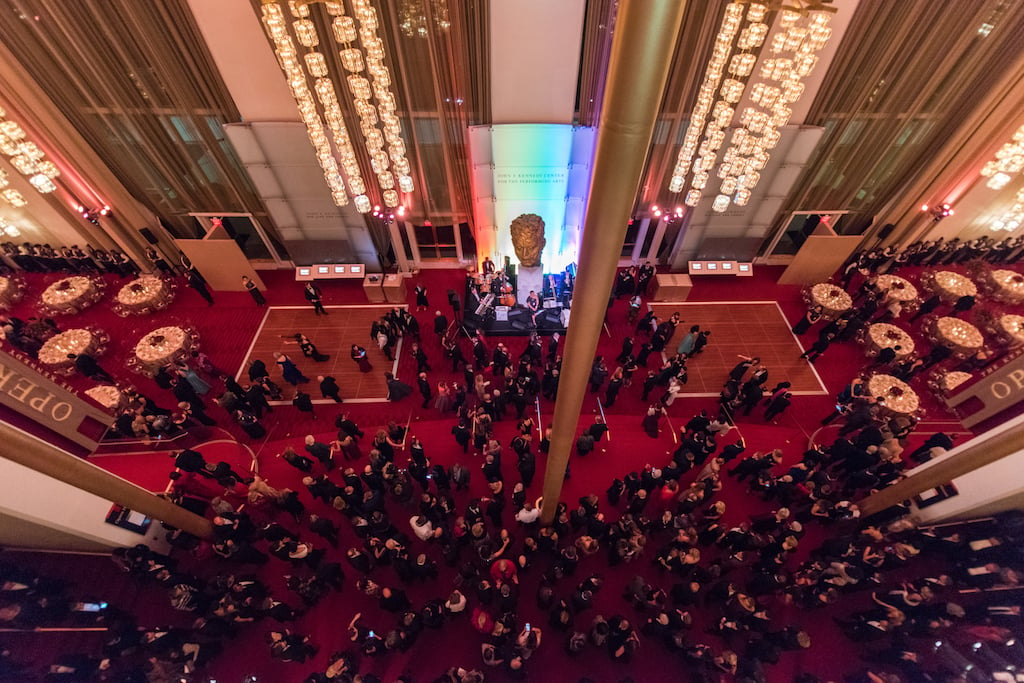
(413,20)
(362,51)
(1009,161)
(801,32)
(26,157)
(1013,218)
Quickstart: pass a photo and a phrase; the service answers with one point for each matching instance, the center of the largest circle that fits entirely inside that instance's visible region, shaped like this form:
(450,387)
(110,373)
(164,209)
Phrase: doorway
(795,230)
(256,243)
(439,244)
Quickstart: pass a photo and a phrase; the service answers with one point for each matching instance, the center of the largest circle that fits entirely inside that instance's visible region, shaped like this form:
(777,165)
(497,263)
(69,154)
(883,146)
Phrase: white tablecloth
(144,295)
(70,295)
(898,396)
(161,346)
(959,335)
(107,396)
(1011,327)
(948,285)
(832,299)
(1007,286)
(56,349)
(883,336)
(896,287)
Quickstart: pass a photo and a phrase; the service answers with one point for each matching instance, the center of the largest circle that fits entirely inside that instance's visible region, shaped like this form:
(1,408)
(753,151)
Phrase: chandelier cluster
(412,17)
(800,33)
(1009,162)
(361,50)
(27,158)
(1014,217)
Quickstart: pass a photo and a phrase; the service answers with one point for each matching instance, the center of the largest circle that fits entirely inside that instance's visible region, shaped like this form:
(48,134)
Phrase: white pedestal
(529,278)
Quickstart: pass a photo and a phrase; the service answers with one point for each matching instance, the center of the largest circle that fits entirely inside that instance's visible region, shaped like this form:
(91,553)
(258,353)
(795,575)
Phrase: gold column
(53,462)
(982,451)
(646,32)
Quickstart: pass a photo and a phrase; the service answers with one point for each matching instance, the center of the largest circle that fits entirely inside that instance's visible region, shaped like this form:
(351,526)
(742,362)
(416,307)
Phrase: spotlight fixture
(93,215)
(386,217)
(939,211)
(656,211)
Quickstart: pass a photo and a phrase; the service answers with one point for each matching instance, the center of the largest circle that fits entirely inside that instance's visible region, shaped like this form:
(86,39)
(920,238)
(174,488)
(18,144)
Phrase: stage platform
(510,321)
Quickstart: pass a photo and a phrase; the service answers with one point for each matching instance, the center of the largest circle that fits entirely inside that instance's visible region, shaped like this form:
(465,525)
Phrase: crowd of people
(731,575)
(42,258)
(384,502)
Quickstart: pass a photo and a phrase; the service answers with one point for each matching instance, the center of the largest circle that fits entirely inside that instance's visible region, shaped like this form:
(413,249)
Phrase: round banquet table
(832,299)
(10,291)
(951,380)
(54,352)
(883,335)
(107,396)
(142,296)
(70,295)
(898,396)
(896,288)
(1010,329)
(1005,286)
(160,347)
(960,336)
(948,285)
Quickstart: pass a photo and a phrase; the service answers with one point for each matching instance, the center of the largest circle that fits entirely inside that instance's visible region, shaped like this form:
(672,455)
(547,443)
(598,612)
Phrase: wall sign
(31,393)
(1000,387)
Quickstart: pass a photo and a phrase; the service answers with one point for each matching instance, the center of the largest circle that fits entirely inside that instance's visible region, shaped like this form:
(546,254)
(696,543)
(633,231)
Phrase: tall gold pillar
(646,32)
(972,457)
(49,460)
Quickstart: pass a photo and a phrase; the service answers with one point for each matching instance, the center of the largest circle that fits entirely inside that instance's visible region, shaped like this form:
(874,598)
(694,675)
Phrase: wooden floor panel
(740,329)
(333,335)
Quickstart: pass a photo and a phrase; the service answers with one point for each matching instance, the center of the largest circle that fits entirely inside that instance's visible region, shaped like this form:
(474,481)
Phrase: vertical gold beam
(49,460)
(974,455)
(646,32)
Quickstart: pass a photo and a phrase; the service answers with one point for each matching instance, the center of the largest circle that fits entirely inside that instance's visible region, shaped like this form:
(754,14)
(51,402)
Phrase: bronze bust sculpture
(528,239)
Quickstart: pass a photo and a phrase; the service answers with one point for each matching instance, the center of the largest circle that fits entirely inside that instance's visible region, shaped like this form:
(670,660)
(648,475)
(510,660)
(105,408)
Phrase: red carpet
(228,328)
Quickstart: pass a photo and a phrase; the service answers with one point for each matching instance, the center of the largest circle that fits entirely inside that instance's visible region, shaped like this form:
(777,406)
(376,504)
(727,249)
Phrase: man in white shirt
(528,514)
(422,527)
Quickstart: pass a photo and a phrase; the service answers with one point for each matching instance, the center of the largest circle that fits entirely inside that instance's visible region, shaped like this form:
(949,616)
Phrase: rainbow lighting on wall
(361,52)
(800,31)
(25,156)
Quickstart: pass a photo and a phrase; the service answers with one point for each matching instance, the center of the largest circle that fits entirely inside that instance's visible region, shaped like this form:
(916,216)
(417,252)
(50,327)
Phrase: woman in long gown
(254,291)
(651,420)
(443,402)
(812,316)
(197,382)
(396,390)
(309,349)
(359,356)
(291,372)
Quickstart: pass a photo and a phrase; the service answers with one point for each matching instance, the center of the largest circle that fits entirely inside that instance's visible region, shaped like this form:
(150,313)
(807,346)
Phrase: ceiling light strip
(1008,162)
(277,29)
(379,86)
(1012,218)
(791,58)
(26,157)
(713,73)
